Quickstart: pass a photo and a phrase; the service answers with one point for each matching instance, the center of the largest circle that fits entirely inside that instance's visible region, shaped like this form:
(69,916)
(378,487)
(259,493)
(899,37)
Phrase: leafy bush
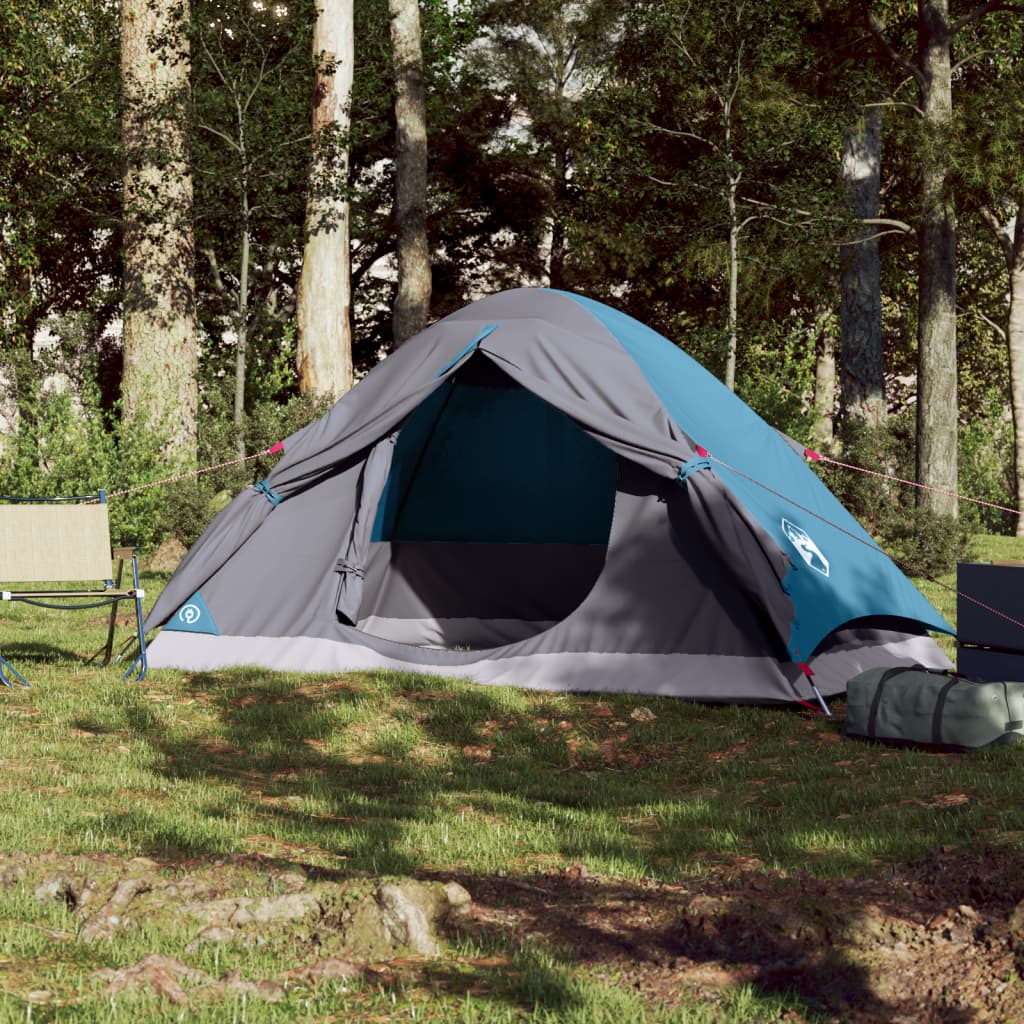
(64,444)
(198,499)
(986,466)
(923,542)
(775,376)
(62,447)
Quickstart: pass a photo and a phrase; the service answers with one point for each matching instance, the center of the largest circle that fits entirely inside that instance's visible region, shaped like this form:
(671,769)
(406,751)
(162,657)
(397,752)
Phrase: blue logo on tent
(193,617)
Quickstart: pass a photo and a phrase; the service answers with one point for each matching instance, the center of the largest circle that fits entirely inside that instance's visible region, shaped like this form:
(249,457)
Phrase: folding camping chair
(67,541)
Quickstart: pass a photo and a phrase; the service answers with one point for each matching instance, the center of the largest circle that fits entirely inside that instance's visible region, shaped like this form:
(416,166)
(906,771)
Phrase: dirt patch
(938,940)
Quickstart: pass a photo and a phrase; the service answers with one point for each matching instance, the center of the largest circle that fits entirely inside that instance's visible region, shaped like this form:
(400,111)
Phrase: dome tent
(538,490)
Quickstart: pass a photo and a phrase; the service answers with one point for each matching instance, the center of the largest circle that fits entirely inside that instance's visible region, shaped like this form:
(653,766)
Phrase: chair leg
(108,649)
(5,667)
(142,660)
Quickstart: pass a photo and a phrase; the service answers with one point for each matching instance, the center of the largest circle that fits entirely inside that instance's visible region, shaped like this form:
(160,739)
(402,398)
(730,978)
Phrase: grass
(390,773)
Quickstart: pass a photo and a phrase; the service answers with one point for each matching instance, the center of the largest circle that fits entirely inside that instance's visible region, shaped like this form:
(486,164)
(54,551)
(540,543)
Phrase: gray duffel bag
(926,707)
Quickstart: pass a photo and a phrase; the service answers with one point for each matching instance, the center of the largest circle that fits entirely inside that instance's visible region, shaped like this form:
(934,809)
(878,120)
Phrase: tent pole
(821,700)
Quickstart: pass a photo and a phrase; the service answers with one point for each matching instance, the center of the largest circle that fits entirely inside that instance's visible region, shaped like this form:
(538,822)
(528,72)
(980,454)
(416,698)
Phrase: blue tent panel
(837,570)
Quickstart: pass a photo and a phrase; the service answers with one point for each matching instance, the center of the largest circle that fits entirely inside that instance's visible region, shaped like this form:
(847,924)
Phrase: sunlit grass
(397,773)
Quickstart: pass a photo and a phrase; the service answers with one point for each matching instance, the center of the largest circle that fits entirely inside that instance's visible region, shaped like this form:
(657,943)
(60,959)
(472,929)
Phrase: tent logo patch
(190,614)
(805,547)
(193,617)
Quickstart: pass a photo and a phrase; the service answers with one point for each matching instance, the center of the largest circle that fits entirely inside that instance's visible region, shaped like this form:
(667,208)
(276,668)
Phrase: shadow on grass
(28,654)
(269,775)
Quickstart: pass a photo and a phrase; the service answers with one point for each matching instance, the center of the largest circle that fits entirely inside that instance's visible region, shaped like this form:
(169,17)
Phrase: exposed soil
(939,940)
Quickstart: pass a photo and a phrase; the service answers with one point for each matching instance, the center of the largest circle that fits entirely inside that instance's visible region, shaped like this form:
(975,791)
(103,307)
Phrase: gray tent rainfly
(541,491)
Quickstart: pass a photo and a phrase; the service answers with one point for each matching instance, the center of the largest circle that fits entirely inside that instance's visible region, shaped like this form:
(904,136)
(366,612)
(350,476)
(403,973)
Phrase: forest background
(215,215)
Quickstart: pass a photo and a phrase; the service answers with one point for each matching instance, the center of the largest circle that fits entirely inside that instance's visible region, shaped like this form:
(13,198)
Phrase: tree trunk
(242,327)
(862,387)
(1011,241)
(159,386)
(324,345)
(412,303)
(823,429)
(732,330)
(1015,341)
(560,196)
(937,403)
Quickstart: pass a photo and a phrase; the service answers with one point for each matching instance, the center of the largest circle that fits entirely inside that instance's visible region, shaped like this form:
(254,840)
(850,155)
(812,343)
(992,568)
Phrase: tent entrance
(494,521)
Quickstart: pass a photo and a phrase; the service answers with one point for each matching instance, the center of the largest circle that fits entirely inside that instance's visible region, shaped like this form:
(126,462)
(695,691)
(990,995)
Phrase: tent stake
(821,700)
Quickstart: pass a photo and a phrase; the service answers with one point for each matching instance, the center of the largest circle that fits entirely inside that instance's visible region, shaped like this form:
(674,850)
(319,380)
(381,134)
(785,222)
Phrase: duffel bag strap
(877,699)
(940,704)
(891,673)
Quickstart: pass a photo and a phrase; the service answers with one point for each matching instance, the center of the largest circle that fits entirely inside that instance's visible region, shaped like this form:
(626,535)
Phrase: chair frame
(66,535)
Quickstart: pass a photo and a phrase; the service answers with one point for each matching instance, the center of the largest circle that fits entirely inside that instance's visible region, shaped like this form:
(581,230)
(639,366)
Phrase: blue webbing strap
(687,469)
(268,492)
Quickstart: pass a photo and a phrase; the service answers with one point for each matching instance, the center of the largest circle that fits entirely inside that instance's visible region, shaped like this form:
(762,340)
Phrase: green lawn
(398,774)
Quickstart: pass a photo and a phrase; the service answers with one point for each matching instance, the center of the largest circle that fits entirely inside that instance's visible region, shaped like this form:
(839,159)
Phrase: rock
(158,973)
(290,881)
(367,921)
(211,935)
(405,919)
(333,969)
(110,917)
(234,984)
(290,907)
(1016,925)
(458,897)
(166,556)
(244,910)
(58,888)
(11,875)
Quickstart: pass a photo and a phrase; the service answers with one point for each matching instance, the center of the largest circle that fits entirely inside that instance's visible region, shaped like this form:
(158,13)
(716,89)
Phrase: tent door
(494,521)
(351,562)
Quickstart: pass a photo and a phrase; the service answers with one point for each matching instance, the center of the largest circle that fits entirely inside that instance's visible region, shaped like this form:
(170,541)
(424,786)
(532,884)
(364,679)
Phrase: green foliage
(986,466)
(189,505)
(775,375)
(59,228)
(252,95)
(67,443)
(622,161)
(707,124)
(922,542)
(62,447)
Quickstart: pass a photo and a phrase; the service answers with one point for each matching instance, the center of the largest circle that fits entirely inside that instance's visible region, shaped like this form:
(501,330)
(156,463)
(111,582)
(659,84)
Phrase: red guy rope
(272,450)
(870,545)
(818,457)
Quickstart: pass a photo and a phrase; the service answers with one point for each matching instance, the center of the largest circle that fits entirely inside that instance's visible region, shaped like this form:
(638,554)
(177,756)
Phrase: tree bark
(937,402)
(732,326)
(823,430)
(412,303)
(159,385)
(242,327)
(1011,242)
(1015,341)
(323,305)
(560,197)
(862,378)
